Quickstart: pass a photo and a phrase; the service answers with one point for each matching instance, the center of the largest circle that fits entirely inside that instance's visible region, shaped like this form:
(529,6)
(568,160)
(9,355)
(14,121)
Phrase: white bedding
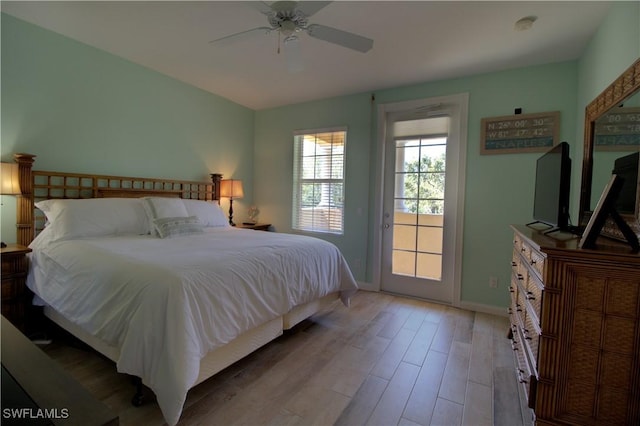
(167,302)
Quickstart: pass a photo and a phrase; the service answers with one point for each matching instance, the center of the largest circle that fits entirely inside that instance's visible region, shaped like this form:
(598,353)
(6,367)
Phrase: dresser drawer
(13,266)
(533,295)
(12,290)
(513,295)
(524,374)
(517,243)
(537,261)
(531,333)
(533,258)
(521,307)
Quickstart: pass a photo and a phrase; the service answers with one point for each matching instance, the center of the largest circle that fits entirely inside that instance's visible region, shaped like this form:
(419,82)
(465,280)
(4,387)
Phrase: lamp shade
(9,180)
(231,188)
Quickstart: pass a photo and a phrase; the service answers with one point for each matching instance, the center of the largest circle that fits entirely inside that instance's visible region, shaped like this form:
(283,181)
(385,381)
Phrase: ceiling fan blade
(241,36)
(291,47)
(260,6)
(311,7)
(342,38)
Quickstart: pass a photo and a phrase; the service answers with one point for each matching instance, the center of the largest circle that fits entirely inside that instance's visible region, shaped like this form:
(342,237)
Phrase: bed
(149,273)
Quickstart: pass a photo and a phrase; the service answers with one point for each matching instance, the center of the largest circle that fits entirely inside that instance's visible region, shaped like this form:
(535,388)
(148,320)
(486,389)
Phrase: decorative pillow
(176,226)
(209,213)
(160,207)
(94,217)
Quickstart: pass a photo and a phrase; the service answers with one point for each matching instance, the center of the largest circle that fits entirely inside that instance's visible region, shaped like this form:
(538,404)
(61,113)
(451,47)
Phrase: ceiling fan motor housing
(286,18)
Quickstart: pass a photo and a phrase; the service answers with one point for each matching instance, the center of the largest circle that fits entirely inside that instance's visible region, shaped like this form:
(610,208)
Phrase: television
(627,169)
(552,185)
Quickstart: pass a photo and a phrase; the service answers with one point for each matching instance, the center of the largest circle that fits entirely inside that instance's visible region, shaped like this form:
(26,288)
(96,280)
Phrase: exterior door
(422,203)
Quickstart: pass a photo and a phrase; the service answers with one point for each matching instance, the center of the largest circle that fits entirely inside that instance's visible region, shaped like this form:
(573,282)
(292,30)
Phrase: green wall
(273,163)
(81,109)
(488,212)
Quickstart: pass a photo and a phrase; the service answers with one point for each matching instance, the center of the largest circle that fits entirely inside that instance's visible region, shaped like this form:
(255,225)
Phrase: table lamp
(9,182)
(231,188)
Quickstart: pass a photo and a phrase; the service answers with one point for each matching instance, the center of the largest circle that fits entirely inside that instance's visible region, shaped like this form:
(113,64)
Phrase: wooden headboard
(36,185)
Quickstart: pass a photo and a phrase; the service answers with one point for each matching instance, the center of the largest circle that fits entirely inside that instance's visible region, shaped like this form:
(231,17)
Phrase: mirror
(612,131)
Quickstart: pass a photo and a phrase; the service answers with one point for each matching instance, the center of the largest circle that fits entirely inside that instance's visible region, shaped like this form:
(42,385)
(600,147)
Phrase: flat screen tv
(627,168)
(553,182)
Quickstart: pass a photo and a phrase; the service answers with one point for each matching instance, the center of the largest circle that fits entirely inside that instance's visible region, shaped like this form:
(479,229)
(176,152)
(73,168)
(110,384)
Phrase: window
(318,181)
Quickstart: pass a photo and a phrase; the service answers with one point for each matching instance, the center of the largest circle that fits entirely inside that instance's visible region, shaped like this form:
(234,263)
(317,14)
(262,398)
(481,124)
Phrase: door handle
(386,226)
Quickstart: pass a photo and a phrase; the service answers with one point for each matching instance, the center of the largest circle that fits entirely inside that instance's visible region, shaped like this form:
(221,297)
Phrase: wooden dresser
(575,330)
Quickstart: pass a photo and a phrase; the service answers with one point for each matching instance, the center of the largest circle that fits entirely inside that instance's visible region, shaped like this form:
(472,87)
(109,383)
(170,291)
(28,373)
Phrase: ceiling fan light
(290,39)
(287,28)
(525,23)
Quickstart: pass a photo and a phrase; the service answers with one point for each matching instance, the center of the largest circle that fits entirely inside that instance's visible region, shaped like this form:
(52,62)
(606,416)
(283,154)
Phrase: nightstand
(15,294)
(255,226)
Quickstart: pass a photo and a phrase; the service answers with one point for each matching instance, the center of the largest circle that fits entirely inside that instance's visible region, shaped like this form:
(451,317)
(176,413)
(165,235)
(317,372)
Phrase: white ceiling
(414,41)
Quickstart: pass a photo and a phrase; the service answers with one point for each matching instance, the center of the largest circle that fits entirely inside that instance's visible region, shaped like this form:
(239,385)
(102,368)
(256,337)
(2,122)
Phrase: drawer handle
(533,262)
(523,249)
(524,381)
(530,296)
(520,277)
(514,264)
(511,290)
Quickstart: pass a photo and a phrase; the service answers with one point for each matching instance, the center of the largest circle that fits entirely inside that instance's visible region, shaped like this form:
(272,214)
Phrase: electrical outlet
(493,282)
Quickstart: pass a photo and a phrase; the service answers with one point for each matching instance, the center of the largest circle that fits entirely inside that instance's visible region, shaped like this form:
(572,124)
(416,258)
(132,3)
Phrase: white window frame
(327,216)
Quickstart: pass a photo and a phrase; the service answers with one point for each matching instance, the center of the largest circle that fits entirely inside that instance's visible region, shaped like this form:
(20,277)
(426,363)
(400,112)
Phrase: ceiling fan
(289,18)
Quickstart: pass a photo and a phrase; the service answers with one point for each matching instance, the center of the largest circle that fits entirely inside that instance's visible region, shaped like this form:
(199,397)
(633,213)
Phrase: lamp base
(231,212)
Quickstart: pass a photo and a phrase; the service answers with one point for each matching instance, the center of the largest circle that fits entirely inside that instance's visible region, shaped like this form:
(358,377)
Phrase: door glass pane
(404,263)
(404,237)
(429,266)
(430,239)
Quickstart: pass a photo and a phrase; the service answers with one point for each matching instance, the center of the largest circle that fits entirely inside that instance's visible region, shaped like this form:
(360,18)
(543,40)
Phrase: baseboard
(367,286)
(487,309)
(470,306)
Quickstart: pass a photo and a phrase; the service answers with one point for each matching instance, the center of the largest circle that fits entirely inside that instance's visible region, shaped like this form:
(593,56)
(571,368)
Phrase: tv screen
(553,182)
(627,168)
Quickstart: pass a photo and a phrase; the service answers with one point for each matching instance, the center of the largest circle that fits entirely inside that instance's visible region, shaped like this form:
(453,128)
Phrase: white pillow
(209,213)
(157,207)
(44,237)
(176,226)
(162,207)
(94,217)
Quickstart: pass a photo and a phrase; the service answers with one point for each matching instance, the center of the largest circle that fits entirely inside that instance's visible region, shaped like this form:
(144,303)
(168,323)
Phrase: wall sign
(519,133)
(618,130)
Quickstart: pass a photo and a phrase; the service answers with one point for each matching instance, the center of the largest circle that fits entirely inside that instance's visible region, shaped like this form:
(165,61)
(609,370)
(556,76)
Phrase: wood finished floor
(386,360)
